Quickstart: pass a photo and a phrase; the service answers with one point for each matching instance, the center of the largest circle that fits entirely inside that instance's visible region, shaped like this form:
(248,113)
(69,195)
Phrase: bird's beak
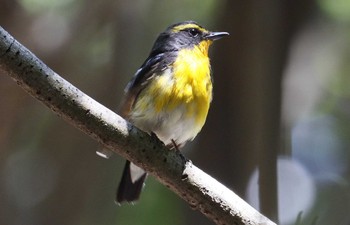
(215,35)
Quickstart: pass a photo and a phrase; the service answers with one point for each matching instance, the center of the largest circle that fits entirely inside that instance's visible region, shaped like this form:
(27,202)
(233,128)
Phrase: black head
(184,35)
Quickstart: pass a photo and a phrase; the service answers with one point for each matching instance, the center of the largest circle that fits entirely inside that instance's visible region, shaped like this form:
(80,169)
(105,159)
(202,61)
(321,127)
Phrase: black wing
(146,71)
(153,66)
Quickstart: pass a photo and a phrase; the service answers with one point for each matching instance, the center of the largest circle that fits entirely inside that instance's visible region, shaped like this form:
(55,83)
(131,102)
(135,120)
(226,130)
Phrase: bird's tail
(131,184)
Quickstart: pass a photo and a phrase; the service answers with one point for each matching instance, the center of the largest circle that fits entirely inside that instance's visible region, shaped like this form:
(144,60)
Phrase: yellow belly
(175,104)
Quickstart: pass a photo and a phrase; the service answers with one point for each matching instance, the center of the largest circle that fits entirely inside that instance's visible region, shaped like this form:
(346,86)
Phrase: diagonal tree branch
(171,168)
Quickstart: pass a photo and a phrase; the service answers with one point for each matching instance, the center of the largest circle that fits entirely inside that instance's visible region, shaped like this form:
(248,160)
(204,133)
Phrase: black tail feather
(129,191)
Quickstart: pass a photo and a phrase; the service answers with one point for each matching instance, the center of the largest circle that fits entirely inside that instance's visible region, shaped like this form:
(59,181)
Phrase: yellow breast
(188,85)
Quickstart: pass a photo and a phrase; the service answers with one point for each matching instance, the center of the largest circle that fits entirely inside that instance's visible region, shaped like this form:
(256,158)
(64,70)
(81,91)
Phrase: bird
(169,95)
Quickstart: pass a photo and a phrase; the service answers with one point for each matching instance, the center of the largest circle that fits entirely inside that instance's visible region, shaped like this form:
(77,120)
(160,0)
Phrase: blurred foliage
(37,6)
(336,9)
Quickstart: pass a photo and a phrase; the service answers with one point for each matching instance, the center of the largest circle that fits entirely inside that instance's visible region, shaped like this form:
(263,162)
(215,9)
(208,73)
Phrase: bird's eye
(193,32)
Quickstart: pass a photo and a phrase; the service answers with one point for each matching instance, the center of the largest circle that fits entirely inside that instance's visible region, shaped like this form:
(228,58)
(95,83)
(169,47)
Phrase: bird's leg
(175,146)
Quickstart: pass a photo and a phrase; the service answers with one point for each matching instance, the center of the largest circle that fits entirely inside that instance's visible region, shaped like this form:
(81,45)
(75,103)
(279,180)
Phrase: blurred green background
(281,100)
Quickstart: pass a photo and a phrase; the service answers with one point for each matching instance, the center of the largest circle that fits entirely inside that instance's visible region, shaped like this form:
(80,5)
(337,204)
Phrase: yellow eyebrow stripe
(187,26)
